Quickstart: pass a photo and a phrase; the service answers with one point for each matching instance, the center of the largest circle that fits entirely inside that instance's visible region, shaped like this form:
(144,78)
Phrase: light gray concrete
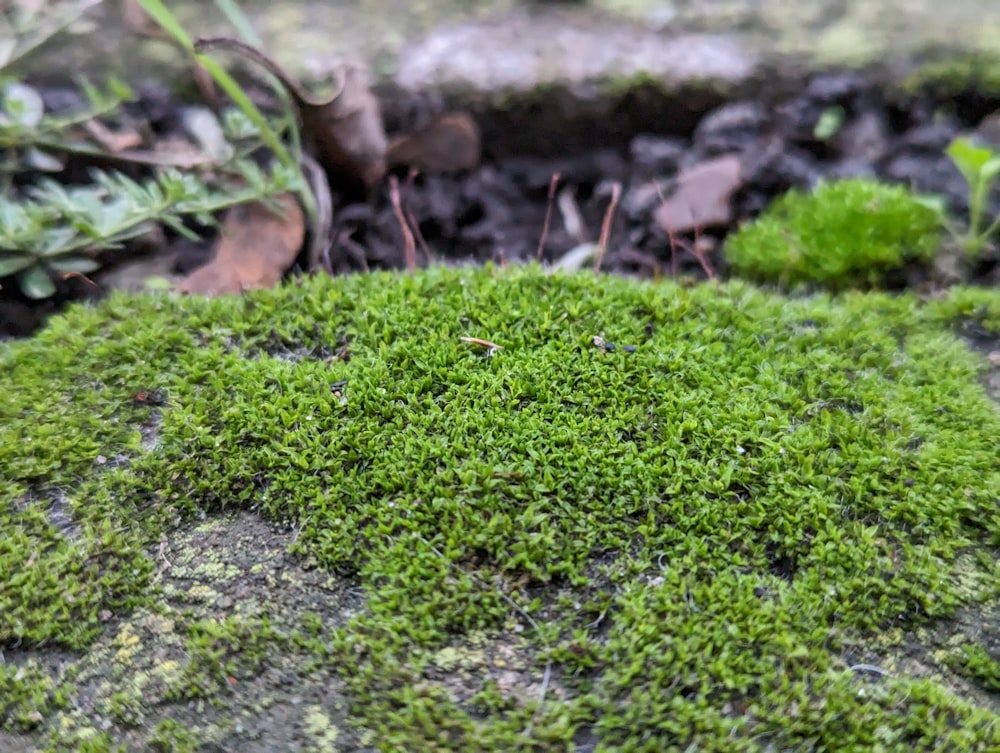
(513,45)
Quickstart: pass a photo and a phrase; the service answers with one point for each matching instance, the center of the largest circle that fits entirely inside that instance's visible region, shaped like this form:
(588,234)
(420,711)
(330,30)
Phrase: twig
(692,248)
(700,255)
(602,244)
(412,219)
(68,275)
(670,236)
(481,343)
(548,215)
(320,241)
(409,246)
(418,234)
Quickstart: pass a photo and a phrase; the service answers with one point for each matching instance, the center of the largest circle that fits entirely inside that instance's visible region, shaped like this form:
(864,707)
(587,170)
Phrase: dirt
(496,211)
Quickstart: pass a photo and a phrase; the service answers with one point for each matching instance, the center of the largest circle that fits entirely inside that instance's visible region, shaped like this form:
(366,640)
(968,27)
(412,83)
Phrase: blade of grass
(162,15)
(238,20)
(159,12)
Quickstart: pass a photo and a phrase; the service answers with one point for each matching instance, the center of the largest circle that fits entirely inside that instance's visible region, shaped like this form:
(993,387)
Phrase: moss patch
(959,73)
(844,234)
(686,542)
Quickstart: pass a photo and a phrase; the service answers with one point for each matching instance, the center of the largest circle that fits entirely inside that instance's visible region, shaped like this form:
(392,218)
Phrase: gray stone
(497,46)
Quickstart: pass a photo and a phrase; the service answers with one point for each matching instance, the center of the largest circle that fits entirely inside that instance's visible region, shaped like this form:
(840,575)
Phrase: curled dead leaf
(345,131)
(256,247)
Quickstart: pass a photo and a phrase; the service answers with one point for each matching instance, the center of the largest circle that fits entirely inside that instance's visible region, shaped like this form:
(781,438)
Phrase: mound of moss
(683,543)
(844,234)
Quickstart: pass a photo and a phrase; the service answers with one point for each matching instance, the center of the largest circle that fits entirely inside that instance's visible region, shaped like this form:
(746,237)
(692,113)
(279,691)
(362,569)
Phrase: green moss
(957,73)
(220,652)
(27,695)
(171,737)
(844,234)
(974,662)
(668,548)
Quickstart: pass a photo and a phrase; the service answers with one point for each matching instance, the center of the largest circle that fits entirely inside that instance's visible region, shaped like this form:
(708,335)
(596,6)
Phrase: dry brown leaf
(345,131)
(256,247)
(136,20)
(701,199)
(452,142)
(113,141)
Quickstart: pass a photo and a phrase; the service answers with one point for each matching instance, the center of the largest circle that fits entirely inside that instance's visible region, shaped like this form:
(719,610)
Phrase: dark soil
(497,211)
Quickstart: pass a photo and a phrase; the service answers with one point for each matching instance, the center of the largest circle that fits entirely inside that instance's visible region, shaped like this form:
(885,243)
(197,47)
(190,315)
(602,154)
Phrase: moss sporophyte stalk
(543,546)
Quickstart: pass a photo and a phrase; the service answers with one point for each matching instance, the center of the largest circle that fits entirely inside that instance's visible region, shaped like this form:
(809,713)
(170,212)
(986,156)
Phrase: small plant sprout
(980,166)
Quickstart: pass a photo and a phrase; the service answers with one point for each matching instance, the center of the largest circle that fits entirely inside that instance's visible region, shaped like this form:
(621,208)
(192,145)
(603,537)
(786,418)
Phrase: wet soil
(538,160)
(496,213)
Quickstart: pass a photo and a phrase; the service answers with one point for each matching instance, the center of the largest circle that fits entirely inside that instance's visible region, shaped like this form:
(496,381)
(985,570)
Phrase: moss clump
(974,662)
(27,695)
(955,73)
(844,234)
(667,548)
(218,649)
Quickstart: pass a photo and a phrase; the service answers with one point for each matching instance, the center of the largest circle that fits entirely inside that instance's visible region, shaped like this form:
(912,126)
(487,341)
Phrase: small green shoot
(980,166)
(830,121)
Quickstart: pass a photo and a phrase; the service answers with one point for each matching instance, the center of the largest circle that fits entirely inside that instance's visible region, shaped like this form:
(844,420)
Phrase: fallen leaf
(136,20)
(345,131)
(256,247)
(701,198)
(113,141)
(450,143)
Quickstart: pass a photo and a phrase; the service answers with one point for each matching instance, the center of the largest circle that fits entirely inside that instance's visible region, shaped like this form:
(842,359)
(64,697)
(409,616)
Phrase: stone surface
(506,45)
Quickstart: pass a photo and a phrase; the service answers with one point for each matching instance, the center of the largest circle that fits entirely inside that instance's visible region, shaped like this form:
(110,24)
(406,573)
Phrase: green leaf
(43,160)
(56,241)
(166,19)
(23,104)
(15,263)
(157,283)
(937,202)
(119,89)
(36,282)
(80,264)
(969,158)
(829,123)
(991,169)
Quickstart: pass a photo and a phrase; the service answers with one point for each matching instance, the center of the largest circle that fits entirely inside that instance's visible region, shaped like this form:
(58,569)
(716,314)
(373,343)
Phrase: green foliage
(28,25)
(291,160)
(684,540)
(974,662)
(173,737)
(58,229)
(218,650)
(48,230)
(844,234)
(27,695)
(980,166)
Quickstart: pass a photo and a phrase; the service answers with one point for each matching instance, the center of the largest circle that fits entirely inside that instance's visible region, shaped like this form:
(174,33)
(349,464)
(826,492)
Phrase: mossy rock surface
(315,518)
